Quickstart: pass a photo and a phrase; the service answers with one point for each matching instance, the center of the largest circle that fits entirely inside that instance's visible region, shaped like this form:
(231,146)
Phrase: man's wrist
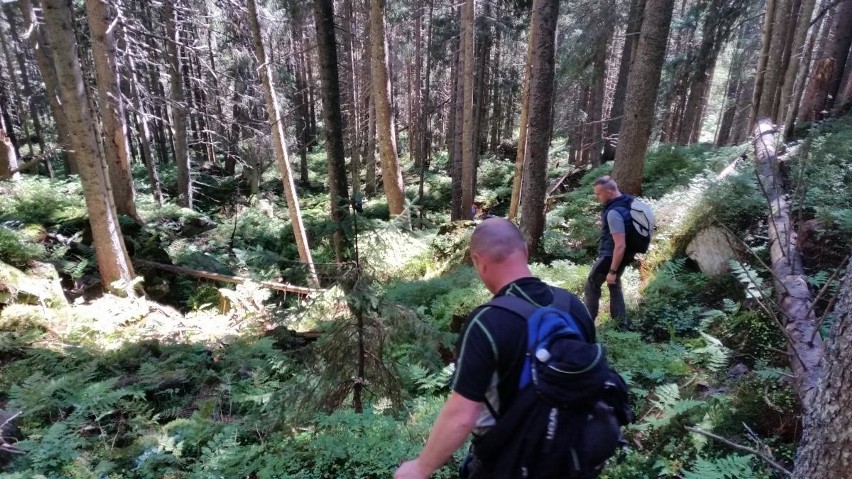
(613,271)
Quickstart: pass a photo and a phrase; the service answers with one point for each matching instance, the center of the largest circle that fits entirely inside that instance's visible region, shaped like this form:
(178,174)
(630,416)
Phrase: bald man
(491,349)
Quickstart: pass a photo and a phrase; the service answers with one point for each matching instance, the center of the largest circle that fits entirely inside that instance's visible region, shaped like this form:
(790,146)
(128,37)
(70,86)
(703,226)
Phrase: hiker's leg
(597,277)
(616,304)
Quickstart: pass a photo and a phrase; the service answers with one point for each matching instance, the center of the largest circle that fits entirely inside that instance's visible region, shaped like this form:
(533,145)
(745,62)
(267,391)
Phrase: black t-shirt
(491,349)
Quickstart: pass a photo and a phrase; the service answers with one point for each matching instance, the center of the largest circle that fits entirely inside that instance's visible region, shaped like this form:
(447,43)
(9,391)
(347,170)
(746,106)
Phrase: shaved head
(497,239)
(607,183)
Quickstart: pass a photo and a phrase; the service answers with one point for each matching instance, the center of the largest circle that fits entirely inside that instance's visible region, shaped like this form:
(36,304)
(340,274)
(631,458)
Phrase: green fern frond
(728,467)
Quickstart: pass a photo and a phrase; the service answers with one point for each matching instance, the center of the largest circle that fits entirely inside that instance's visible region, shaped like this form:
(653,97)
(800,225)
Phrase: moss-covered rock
(40,287)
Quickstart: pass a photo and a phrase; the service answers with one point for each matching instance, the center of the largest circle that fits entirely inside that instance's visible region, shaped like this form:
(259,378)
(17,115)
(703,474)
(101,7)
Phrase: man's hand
(611,278)
(411,470)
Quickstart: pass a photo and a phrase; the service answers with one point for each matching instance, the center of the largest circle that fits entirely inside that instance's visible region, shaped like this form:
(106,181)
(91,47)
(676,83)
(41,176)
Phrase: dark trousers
(597,277)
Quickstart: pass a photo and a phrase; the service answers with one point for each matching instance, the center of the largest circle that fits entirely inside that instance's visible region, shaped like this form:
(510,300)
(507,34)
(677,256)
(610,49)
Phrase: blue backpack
(566,419)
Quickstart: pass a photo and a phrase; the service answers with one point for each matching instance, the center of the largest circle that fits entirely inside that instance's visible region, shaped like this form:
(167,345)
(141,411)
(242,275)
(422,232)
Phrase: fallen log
(805,348)
(227,279)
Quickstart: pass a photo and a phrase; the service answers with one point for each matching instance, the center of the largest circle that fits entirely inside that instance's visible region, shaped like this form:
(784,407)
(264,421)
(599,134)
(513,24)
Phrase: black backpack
(566,419)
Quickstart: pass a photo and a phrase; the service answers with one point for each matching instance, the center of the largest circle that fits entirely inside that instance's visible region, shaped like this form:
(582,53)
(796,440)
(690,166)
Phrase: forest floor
(210,380)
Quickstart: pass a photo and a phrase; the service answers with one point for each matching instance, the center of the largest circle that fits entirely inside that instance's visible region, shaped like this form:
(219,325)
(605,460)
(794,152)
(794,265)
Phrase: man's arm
(617,229)
(455,422)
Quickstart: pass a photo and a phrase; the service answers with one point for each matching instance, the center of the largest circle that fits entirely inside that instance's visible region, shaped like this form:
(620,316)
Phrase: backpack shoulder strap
(514,304)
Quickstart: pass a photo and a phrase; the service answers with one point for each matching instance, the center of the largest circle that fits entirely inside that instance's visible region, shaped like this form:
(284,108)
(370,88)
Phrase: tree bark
(61,48)
(534,185)
(791,287)
(385,129)
(642,87)
(827,440)
(333,126)
(116,146)
(178,98)
(277,127)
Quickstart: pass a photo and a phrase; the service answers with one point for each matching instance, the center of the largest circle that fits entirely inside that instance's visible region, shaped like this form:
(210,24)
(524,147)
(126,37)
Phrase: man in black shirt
(491,348)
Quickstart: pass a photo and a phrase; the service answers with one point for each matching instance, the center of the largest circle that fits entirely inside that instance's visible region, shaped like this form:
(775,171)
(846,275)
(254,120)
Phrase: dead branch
(228,279)
(775,465)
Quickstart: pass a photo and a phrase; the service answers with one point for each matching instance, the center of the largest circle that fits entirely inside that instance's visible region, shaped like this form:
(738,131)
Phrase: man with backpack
(626,225)
(494,368)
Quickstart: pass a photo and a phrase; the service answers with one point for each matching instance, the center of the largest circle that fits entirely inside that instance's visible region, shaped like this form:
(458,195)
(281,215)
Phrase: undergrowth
(269,402)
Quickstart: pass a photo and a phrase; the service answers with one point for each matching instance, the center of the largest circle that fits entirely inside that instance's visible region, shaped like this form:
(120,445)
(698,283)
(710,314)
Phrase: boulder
(41,286)
(712,249)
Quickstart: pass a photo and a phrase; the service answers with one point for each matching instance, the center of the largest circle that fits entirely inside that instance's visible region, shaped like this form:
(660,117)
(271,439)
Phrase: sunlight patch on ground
(110,321)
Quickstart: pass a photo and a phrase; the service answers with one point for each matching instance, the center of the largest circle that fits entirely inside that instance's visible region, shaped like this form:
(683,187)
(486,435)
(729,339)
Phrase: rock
(712,249)
(41,287)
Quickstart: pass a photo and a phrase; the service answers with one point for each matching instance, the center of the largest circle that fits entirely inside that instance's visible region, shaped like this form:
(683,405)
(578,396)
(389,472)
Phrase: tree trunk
(143,127)
(838,49)
(333,126)
(469,148)
(51,82)
(802,78)
(534,185)
(735,85)
(61,48)
(631,41)
(598,97)
(184,166)
(763,59)
(303,120)
(802,25)
(791,288)
(8,158)
(277,127)
(520,159)
(457,137)
(20,111)
(642,87)
(772,78)
(27,86)
(496,97)
(116,146)
(827,439)
(385,129)
(354,118)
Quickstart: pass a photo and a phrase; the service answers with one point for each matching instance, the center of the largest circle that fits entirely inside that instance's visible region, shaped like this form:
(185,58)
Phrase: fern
(668,405)
(728,467)
(714,355)
(753,283)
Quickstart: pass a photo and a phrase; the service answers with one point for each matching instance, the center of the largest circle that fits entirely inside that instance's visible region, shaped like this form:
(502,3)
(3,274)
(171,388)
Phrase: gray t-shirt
(615,222)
